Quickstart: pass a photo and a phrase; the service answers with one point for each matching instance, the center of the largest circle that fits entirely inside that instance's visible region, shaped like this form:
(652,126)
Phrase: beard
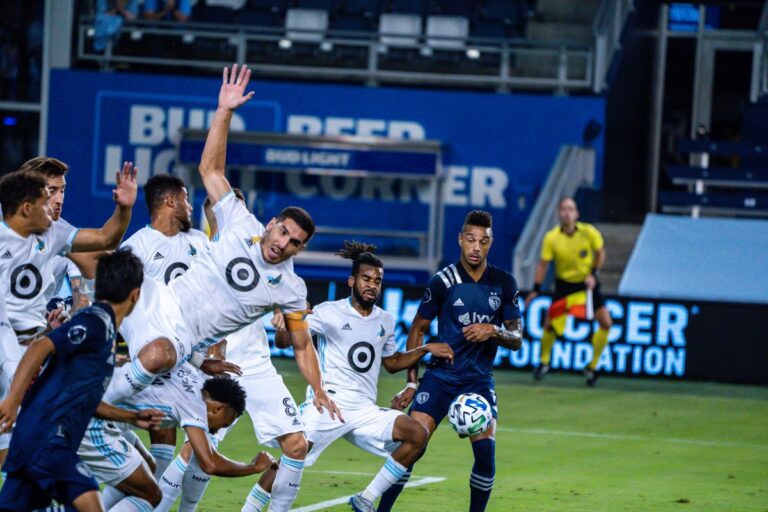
(186,225)
(367,304)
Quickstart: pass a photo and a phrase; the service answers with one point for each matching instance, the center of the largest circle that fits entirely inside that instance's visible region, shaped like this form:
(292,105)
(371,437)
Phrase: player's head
(54,171)
(287,234)
(567,211)
(118,279)
(476,237)
(225,401)
(24,196)
(208,209)
(367,272)
(166,194)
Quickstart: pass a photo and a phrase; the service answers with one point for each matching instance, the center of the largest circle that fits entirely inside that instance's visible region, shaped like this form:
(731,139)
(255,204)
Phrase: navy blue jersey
(56,409)
(458,301)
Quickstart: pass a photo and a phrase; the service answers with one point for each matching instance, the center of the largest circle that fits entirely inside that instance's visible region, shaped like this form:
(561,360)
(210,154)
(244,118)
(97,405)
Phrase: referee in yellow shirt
(578,252)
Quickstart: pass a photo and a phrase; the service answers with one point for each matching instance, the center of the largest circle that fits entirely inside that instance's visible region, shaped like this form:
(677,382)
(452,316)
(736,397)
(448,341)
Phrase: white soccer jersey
(63,268)
(350,347)
(235,286)
(167,257)
(26,270)
(10,354)
(178,394)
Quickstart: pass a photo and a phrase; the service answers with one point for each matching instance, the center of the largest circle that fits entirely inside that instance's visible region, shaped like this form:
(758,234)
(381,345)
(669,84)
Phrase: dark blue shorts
(434,395)
(57,473)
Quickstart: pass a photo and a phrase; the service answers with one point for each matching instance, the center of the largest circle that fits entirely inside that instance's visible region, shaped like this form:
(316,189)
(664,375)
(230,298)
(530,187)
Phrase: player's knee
(158,356)
(418,434)
(295,446)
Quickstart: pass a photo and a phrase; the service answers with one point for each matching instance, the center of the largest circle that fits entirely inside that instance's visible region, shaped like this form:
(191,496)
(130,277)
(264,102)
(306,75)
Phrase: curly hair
(360,253)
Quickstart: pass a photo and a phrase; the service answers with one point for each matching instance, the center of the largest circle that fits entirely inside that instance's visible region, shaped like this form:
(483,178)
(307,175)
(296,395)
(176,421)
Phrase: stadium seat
(397,29)
(306,25)
(447,32)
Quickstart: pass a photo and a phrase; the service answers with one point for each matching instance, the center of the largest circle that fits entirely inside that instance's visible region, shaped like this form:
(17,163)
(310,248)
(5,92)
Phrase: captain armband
(296,321)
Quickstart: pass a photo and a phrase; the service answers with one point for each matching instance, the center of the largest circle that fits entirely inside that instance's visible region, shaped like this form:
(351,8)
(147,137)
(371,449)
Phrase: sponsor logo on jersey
(459,303)
(157,256)
(464,319)
(494,301)
(346,327)
(250,242)
(273,282)
(7,255)
(422,397)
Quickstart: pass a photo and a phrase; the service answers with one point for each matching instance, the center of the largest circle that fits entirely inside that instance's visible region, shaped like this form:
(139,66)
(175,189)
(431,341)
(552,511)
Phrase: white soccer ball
(470,414)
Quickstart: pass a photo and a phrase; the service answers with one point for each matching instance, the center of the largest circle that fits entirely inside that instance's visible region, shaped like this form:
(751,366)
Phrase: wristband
(197,359)
(537,287)
(412,385)
(595,272)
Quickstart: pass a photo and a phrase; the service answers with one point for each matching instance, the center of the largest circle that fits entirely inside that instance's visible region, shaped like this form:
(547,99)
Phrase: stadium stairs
(619,241)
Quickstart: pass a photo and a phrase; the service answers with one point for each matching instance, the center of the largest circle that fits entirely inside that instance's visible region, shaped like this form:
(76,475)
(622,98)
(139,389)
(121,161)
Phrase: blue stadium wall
(498,148)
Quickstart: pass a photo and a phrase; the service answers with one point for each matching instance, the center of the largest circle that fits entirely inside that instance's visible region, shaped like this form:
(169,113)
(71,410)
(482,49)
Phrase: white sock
(163,455)
(132,504)
(110,496)
(195,483)
(390,472)
(257,499)
(126,381)
(170,483)
(287,484)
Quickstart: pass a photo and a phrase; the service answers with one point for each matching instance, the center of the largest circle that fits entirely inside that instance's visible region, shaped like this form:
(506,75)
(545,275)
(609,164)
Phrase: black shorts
(564,288)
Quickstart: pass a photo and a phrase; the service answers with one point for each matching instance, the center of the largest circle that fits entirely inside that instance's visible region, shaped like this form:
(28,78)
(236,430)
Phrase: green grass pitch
(629,444)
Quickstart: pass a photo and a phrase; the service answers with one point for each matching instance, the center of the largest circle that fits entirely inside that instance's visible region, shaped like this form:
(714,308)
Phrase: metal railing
(607,29)
(574,167)
(483,62)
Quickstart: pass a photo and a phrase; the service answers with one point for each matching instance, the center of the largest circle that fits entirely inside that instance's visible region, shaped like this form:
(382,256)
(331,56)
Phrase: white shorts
(369,427)
(5,441)
(110,457)
(271,408)
(157,315)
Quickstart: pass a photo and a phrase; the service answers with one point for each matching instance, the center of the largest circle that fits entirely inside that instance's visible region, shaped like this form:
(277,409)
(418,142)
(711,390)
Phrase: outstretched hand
(232,93)
(124,193)
(218,366)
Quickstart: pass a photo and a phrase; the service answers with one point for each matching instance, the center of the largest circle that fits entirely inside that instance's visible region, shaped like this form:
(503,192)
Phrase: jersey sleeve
(298,302)
(73,271)
(433,298)
(193,413)
(547,248)
(315,322)
(595,238)
(60,235)
(510,307)
(84,333)
(229,210)
(390,344)
(137,246)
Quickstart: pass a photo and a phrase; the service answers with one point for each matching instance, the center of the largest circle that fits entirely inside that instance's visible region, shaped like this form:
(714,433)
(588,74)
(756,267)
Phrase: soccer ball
(470,414)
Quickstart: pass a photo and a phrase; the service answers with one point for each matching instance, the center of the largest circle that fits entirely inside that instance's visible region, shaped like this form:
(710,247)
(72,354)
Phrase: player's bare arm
(212,162)
(415,339)
(510,336)
(111,233)
(404,360)
(29,366)
(214,463)
(144,419)
(309,366)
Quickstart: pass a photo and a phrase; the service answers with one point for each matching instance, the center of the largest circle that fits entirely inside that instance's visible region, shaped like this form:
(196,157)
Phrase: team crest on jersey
(192,251)
(427,296)
(494,301)
(382,332)
(250,242)
(273,282)
(76,334)
(40,245)
(422,397)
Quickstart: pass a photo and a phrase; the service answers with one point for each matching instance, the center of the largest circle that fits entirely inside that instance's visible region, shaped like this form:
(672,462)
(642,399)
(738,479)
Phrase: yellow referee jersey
(574,254)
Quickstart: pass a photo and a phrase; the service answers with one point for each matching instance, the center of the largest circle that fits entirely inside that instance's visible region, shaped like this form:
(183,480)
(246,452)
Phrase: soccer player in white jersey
(247,273)
(355,337)
(11,355)
(188,401)
(166,246)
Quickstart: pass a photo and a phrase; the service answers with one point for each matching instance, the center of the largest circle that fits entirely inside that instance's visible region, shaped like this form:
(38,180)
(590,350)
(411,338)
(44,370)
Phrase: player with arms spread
(247,273)
(477,310)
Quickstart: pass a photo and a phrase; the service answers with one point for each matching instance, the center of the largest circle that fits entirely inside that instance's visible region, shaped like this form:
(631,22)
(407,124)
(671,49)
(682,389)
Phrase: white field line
(628,437)
(425,480)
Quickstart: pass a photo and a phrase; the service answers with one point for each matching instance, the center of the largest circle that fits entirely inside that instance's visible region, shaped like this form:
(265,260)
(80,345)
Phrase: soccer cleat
(360,504)
(540,371)
(591,377)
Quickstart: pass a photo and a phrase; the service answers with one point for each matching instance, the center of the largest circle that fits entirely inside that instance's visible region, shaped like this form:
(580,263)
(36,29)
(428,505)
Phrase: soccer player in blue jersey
(477,310)
(78,359)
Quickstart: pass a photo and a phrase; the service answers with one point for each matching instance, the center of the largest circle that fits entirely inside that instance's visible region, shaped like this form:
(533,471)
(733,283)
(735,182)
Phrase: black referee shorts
(564,288)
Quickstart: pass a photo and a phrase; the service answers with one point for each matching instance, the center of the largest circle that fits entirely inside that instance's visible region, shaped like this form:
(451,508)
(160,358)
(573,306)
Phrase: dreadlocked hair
(360,253)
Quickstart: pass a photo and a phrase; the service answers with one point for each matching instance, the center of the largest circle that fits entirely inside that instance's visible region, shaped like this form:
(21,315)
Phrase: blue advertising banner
(497,148)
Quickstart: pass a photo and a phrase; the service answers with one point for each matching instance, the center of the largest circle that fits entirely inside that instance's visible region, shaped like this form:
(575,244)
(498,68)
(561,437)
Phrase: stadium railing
(573,168)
